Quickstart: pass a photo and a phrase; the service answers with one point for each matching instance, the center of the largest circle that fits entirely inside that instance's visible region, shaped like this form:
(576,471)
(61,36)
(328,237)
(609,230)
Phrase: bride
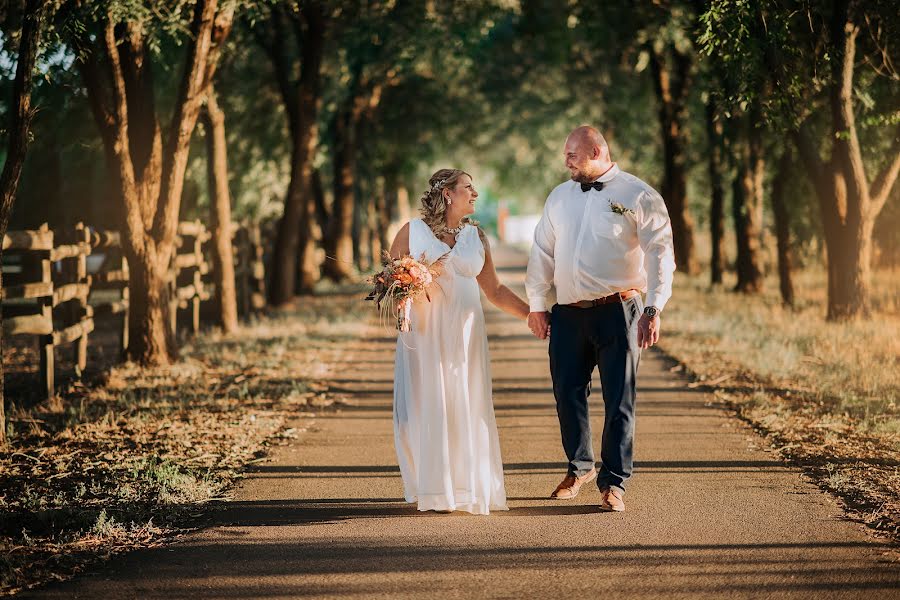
(444,428)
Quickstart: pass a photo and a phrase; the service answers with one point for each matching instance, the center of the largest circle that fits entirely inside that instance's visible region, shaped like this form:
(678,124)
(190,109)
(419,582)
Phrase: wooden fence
(109,284)
(189,266)
(49,293)
(250,270)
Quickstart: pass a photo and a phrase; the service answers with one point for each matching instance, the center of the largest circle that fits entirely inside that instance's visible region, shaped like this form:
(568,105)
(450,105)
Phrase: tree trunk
(375,201)
(20,115)
(220,214)
(747,208)
(387,209)
(294,266)
(671,91)
(287,241)
(3,436)
(849,274)
(150,339)
(848,202)
(362,100)
(319,200)
(151,178)
(294,269)
(361,246)
(717,201)
(783,228)
(338,240)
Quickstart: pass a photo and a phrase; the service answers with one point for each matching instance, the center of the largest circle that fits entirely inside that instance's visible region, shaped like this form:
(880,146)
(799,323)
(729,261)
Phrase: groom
(604,238)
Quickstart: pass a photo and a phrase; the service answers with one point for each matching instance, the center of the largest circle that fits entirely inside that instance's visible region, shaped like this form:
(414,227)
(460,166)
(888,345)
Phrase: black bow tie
(597,185)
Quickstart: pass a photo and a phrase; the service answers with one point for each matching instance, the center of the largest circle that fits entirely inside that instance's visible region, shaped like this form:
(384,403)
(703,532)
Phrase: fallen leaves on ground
(131,462)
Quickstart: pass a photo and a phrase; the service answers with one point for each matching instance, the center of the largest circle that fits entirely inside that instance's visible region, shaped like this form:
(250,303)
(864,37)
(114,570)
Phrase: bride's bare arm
(500,296)
(400,247)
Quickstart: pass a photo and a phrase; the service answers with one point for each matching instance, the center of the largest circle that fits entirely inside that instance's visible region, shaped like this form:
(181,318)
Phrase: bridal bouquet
(400,282)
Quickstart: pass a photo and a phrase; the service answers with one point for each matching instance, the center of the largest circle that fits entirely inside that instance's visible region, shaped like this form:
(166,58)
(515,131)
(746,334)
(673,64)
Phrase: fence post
(173,287)
(82,310)
(198,276)
(241,269)
(257,264)
(45,342)
(126,301)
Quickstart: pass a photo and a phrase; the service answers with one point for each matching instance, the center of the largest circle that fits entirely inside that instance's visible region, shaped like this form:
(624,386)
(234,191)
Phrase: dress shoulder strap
(418,237)
(423,241)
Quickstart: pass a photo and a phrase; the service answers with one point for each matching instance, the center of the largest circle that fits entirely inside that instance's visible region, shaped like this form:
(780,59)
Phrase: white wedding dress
(444,428)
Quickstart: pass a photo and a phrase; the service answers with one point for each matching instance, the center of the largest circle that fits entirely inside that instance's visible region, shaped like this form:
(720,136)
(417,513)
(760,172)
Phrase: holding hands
(647,328)
(539,323)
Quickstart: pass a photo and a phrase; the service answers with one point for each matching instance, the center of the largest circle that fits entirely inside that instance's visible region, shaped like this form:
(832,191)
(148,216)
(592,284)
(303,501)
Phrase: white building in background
(518,229)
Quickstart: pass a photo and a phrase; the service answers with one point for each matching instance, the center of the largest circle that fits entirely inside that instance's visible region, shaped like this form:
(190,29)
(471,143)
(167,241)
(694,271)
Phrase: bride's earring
(449,202)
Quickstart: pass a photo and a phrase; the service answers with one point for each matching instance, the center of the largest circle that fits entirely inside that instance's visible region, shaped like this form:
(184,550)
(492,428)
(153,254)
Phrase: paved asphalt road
(709,513)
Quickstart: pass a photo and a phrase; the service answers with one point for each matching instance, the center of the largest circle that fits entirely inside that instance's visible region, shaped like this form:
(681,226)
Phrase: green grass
(850,368)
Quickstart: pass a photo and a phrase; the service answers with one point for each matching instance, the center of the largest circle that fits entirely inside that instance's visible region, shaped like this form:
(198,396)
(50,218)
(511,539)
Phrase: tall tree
(362,98)
(305,24)
(671,67)
(849,200)
(780,183)
(149,161)
(745,140)
(213,118)
(379,48)
(18,125)
(717,193)
(825,79)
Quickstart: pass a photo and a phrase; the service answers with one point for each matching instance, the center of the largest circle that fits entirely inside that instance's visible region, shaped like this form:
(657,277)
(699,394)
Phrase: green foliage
(781,56)
(490,87)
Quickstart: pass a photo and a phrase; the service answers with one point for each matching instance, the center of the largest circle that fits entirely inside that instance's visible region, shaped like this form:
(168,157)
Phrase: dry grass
(132,462)
(826,394)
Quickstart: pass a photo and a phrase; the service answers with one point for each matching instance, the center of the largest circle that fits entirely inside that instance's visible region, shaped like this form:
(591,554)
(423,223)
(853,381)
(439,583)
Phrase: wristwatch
(651,311)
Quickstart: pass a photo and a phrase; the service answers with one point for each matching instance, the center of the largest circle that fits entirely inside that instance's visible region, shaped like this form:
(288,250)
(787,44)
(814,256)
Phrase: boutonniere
(619,209)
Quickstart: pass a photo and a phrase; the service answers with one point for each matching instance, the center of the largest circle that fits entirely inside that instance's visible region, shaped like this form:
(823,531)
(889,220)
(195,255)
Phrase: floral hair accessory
(438,185)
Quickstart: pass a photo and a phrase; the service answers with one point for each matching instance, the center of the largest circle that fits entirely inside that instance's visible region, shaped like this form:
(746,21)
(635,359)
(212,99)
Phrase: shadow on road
(233,567)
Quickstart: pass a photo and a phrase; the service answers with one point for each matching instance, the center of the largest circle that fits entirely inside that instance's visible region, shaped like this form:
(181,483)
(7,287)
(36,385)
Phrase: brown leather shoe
(611,500)
(569,487)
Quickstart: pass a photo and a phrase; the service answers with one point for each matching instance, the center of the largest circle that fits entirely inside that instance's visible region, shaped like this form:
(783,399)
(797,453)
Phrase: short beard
(582,178)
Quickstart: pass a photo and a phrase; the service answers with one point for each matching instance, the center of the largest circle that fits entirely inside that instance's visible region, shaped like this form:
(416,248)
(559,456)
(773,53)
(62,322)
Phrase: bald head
(587,154)
(590,137)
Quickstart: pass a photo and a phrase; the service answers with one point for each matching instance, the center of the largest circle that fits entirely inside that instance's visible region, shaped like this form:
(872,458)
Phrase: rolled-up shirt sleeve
(539,276)
(655,238)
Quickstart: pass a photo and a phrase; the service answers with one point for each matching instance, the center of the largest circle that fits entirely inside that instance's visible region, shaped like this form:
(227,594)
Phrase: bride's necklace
(454,230)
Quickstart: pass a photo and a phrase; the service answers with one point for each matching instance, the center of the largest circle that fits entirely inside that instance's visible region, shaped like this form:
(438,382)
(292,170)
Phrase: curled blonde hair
(434,207)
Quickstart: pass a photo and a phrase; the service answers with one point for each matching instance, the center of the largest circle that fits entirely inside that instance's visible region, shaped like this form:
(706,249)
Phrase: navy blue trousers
(604,336)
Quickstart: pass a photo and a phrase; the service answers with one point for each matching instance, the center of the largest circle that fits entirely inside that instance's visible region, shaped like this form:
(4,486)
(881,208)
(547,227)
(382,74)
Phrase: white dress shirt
(587,250)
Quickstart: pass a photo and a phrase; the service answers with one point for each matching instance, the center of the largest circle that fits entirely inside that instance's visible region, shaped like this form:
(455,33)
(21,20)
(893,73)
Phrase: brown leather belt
(611,299)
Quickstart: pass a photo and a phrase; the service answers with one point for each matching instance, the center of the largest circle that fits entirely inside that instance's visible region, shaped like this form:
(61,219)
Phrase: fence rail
(48,291)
